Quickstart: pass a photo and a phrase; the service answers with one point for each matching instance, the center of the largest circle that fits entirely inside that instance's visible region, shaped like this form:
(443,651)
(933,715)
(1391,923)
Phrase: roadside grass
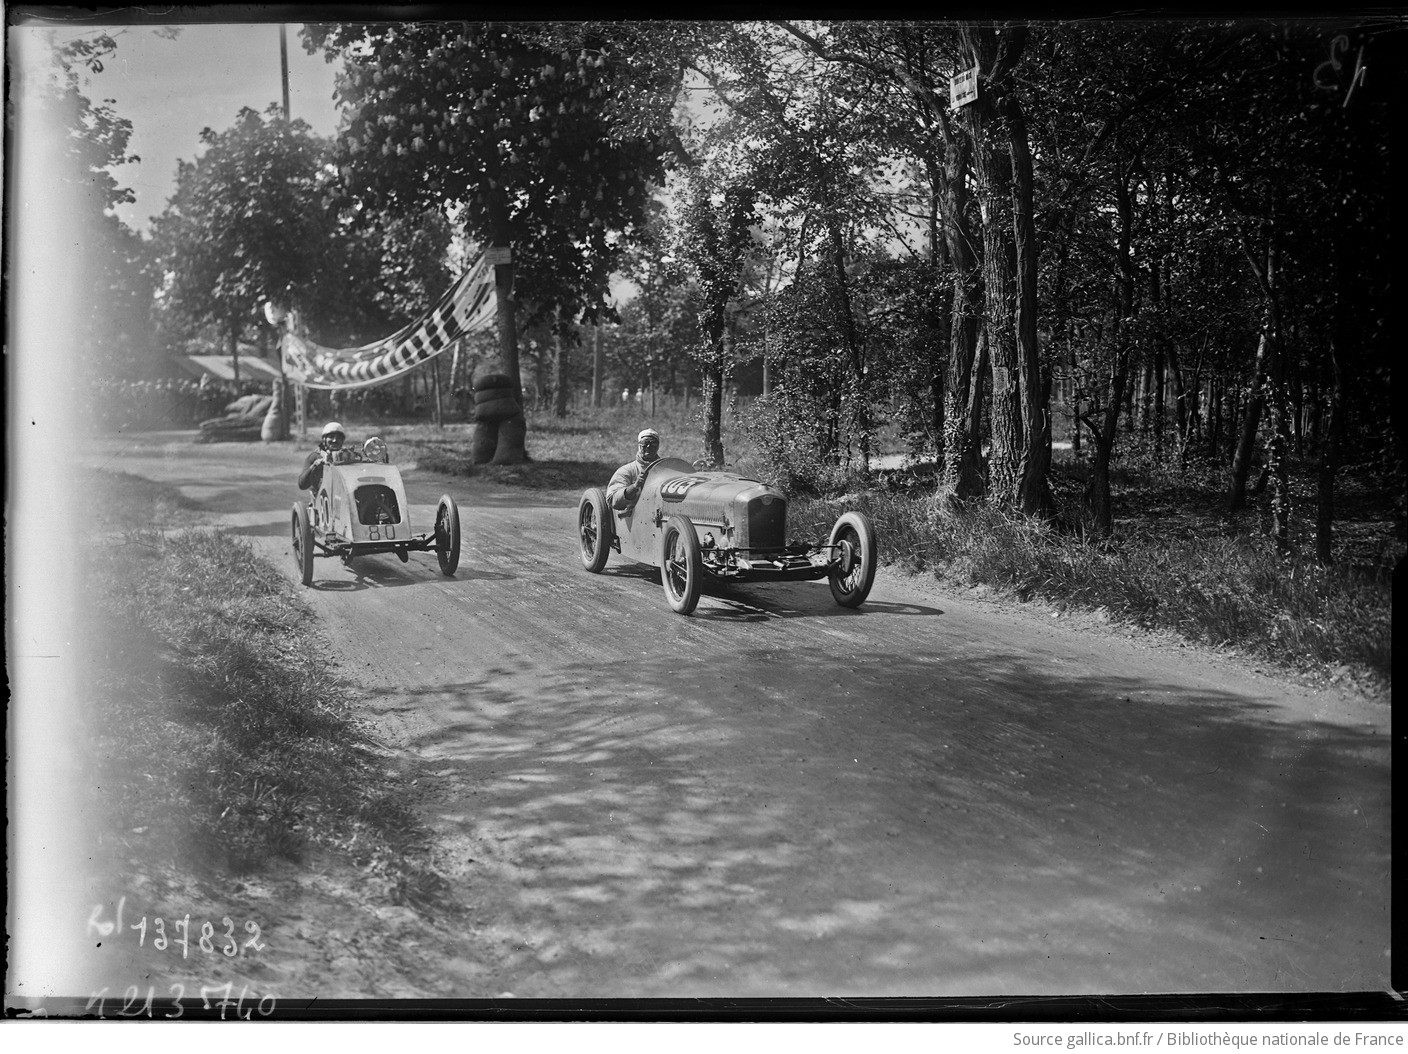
(224,742)
(1176,562)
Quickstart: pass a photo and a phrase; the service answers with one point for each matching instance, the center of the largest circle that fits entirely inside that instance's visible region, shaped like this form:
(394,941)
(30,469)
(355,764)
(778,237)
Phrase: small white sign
(498,255)
(963,88)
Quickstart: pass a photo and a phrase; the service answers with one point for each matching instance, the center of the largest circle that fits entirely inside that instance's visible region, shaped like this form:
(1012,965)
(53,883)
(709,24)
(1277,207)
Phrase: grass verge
(224,742)
(1209,580)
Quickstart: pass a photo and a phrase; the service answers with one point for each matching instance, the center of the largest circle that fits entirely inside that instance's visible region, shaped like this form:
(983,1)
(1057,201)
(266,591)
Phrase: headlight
(374,449)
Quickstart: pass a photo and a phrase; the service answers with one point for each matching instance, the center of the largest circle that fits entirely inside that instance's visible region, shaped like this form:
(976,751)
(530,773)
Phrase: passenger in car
(623,491)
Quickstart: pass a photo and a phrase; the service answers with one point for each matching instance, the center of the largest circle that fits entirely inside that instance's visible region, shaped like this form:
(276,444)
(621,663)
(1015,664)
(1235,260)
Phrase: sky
(171,89)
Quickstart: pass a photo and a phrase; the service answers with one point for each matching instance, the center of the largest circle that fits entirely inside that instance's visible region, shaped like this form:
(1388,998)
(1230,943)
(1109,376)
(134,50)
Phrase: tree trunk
(560,373)
(977,397)
(511,448)
(994,192)
(855,355)
(1075,400)
(1251,421)
(1180,395)
(1267,367)
(713,379)
(235,349)
(962,471)
(435,384)
(1278,454)
(1099,514)
(1333,432)
(995,54)
(1033,494)
(598,366)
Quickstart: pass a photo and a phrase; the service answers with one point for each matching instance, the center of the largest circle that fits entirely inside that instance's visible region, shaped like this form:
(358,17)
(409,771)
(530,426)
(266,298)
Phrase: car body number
(675,489)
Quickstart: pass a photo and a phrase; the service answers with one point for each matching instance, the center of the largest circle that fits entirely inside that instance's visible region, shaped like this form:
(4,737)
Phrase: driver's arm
(312,468)
(624,488)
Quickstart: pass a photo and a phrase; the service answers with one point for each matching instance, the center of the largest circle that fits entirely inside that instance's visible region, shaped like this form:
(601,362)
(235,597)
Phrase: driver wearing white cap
(623,491)
(334,435)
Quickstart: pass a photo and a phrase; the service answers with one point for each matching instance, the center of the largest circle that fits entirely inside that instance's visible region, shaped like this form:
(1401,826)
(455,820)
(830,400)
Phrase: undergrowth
(224,739)
(1226,587)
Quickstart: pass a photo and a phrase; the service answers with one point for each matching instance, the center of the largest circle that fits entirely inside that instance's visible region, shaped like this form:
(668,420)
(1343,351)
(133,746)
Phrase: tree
(243,225)
(112,319)
(506,125)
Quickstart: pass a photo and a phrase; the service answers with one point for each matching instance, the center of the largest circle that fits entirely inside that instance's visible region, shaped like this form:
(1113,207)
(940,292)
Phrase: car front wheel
(680,564)
(854,572)
(447,534)
(594,529)
(302,543)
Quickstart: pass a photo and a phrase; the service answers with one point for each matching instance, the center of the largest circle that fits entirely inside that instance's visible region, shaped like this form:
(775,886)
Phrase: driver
(623,491)
(332,439)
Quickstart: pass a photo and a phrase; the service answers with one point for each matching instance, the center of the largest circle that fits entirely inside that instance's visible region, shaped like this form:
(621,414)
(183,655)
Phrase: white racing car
(360,509)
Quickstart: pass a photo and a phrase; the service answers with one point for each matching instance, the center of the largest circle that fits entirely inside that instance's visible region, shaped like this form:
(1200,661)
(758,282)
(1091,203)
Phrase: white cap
(331,427)
(647,432)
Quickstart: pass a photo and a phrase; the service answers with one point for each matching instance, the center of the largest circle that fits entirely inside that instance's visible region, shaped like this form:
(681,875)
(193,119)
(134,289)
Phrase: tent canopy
(221,367)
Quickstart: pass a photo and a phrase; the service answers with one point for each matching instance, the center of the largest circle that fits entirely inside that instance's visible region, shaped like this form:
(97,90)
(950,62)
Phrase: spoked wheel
(851,580)
(594,529)
(447,534)
(302,543)
(680,564)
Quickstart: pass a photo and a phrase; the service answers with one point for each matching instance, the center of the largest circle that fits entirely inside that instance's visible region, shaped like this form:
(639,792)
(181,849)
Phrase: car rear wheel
(447,534)
(851,580)
(302,543)
(594,529)
(680,564)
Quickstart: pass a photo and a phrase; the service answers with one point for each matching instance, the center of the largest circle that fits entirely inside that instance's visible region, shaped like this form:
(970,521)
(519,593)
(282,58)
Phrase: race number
(677,488)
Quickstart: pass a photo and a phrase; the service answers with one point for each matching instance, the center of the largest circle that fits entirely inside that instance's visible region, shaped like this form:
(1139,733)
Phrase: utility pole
(283,64)
(301,407)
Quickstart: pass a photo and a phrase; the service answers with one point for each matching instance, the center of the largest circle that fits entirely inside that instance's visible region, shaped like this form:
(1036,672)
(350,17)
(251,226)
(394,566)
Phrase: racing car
(699,524)
(360,509)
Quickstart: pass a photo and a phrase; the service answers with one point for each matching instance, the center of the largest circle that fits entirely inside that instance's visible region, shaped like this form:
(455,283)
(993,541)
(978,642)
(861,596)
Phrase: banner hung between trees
(468,306)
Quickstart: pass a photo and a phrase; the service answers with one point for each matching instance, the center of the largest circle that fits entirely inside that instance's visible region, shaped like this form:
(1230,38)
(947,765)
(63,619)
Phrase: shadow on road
(915,825)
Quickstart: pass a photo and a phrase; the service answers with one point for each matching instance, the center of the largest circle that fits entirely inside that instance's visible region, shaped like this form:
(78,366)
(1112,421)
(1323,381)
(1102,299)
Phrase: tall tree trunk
(994,194)
(995,53)
(1278,454)
(1099,513)
(1075,400)
(1180,394)
(598,366)
(713,370)
(1265,366)
(511,449)
(1329,449)
(1033,494)
(973,412)
(855,355)
(962,471)
(235,348)
(560,372)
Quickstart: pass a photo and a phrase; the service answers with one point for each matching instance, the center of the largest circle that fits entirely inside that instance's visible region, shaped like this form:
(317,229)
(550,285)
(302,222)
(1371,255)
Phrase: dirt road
(931,796)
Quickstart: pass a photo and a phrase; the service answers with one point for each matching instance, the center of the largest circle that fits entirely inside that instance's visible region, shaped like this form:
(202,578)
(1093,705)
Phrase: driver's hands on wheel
(632,493)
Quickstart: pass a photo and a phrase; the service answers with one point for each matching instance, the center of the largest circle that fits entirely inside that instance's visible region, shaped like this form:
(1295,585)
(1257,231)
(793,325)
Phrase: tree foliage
(506,125)
(246,225)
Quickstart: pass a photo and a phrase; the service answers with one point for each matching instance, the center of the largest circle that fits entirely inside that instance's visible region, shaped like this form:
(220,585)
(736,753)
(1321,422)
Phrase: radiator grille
(767,523)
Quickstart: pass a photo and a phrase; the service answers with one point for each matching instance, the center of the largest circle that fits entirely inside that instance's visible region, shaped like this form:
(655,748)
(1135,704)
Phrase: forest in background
(1163,236)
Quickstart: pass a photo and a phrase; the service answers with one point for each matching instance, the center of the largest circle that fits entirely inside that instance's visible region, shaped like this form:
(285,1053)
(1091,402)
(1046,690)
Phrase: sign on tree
(963,88)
